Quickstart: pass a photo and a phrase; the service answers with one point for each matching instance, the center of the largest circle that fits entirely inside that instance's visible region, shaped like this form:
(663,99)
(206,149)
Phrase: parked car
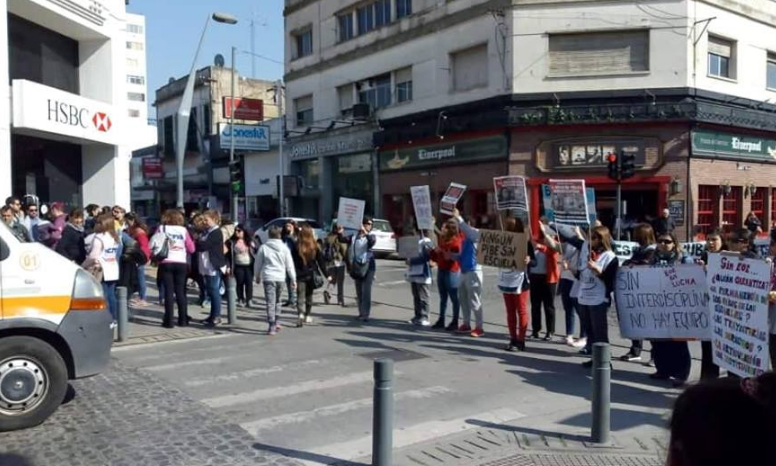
(262,234)
(384,234)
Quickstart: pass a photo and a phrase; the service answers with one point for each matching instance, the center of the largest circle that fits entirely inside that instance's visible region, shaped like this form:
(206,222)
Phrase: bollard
(231,299)
(382,417)
(122,319)
(602,373)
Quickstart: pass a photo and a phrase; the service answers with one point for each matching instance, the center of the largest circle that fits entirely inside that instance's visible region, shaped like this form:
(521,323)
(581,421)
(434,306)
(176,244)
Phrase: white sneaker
(425,323)
(580,343)
(570,340)
(308,320)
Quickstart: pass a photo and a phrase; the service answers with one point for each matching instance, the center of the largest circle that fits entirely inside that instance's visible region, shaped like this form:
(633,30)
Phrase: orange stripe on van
(33,306)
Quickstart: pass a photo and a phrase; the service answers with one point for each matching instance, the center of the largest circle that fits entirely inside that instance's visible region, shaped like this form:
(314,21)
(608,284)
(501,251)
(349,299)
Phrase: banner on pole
(738,290)
(453,194)
(502,249)
(569,201)
(663,302)
(421,201)
(350,213)
(510,193)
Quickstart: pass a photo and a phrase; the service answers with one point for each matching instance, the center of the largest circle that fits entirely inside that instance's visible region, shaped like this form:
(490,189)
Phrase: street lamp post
(184,111)
(233,196)
(279,96)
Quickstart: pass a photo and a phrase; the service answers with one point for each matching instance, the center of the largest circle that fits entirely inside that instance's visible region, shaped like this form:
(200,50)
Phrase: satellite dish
(219,61)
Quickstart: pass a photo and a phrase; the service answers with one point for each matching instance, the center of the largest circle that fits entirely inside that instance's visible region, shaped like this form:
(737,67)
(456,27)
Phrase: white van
(54,327)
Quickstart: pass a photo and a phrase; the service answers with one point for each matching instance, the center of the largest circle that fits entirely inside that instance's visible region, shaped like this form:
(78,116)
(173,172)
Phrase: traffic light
(236,176)
(614,166)
(627,165)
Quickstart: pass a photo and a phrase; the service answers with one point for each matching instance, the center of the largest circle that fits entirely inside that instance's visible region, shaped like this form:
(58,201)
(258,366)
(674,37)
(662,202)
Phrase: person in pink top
(138,230)
(173,268)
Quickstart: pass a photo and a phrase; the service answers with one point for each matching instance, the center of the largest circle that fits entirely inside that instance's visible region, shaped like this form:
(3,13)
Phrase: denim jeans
(271,291)
(213,283)
(109,290)
(570,307)
(364,294)
(141,282)
(447,282)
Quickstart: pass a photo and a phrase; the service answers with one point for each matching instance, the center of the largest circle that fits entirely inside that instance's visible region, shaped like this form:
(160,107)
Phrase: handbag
(359,270)
(164,250)
(318,280)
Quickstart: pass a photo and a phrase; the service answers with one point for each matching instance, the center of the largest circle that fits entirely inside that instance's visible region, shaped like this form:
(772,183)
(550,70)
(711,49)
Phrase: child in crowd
(272,265)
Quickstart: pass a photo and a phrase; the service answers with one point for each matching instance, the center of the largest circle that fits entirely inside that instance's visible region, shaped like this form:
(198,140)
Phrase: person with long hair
(597,272)
(212,263)
(568,281)
(715,244)
(103,259)
(544,277)
(138,231)
(449,274)
(515,286)
(308,260)
(72,244)
(242,254)
(174,268)
(644,235)
(335,251)
(741,240)
(362,266)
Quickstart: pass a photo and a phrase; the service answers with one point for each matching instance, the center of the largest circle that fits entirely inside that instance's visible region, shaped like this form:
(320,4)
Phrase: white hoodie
(274,262)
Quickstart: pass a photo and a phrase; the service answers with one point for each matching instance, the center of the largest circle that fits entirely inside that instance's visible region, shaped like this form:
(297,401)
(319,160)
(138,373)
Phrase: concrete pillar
(327,205)
(5,104)
(105,175)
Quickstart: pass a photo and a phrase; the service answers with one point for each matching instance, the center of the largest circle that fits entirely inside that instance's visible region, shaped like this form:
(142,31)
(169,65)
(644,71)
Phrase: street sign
(152,168)
(244,109)
(246,137)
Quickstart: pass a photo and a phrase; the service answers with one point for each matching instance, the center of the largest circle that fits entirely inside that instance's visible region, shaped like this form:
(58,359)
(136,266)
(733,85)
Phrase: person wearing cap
(664,224)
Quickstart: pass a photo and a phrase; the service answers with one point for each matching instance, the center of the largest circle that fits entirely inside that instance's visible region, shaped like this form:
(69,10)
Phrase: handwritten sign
(510,192)
(502,249)
(421,201)
(350,213)
(738,291)
(569,201)
(453,194)
(407,247)
(663,302)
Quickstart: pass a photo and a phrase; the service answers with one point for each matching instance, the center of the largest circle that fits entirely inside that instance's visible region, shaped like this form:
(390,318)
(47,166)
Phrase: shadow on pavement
(621,419)
(303,455)
(526,430)
(14,460)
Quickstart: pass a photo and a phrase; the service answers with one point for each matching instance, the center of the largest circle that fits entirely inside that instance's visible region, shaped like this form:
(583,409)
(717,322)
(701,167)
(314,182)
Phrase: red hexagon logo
(101,122)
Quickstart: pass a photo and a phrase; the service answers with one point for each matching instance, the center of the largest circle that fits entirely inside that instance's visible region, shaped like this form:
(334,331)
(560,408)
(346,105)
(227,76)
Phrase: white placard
(738,291)
(407,247)
(569,201)
(510,192)
(421,201)
(350,213)
(663,302)
(453,194)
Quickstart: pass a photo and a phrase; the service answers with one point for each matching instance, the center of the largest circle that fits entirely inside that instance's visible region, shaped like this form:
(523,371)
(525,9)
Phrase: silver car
(386,239)
(262,234)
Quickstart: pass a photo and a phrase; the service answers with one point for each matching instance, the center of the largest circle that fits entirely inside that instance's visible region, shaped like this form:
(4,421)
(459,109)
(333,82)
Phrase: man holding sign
(471,279)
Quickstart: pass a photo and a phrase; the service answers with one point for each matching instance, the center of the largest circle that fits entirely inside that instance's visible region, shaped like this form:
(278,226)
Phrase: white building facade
(64,130)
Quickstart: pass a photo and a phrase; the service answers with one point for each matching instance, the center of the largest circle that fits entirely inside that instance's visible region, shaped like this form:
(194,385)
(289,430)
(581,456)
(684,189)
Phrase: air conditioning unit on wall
(362,111)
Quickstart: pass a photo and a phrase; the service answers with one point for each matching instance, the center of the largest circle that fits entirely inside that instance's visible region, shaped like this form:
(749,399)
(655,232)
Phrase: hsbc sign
(43,108)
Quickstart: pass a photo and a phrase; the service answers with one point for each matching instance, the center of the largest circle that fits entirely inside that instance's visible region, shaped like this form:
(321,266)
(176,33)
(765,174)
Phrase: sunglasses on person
(368,224)
(665,241)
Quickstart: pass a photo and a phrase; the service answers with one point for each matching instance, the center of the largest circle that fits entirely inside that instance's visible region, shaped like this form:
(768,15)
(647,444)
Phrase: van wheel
(33,382)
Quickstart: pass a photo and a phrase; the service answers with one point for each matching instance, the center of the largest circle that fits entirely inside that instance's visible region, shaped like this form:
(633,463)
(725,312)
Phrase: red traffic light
(611,158)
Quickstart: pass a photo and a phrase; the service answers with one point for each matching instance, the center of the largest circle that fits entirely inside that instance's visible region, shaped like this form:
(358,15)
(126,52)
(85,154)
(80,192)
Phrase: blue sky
(173,28)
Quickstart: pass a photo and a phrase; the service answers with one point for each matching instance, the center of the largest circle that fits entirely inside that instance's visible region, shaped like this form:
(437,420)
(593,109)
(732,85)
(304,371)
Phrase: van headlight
(87,293)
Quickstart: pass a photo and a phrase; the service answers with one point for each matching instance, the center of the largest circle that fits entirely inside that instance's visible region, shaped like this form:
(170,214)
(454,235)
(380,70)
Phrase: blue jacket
(468,256)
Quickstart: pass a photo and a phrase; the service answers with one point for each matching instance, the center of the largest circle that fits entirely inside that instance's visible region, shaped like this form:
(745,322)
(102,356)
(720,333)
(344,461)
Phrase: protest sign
(502,249)
(663,302)
(407,247)
(569,201)
(453,194)
(510,192)
(738,291)
(421,201)
(550,213)
(350,213)
(624,249)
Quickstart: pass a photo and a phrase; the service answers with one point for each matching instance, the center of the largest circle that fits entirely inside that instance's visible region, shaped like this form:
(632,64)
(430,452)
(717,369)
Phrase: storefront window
(758,205)
(707,207)
(310,171)
(731,209)
(352,177)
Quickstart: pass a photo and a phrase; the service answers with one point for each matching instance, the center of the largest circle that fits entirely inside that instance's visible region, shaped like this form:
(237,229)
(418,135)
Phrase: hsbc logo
(71,115)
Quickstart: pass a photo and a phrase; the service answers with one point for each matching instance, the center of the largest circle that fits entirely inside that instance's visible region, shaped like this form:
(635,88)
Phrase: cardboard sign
(407,247)
(663,302)
(502,249)
(510,192)
(569,201)
(350,214)
(421,201)
(738,291)
(453,194)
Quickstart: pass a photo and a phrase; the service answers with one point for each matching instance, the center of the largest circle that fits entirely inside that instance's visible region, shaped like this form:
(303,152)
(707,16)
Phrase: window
(708,208)
(132,63)
(403,8)
(304,43)
(169,138)
(758,205)
(192,137)
(720,57)
(375,91)
(470,68)
(133,113)
(731,209)
(345,97)
(136,96)
(132,79)
(345,23)
(366,19)
(771,80)
(135,28)
(403,85)
(207,125)
(304,110)
(134,45)
(599,53)
(382,12)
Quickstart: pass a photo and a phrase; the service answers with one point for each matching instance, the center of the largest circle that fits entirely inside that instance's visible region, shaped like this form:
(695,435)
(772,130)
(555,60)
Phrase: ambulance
(54,327)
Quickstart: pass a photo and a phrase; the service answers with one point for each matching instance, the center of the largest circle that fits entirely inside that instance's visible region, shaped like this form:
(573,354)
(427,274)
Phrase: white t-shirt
(108,260)
(512,280)
(592,290)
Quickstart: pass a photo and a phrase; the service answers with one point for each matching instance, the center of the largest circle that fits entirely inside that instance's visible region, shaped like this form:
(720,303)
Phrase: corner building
(66,136)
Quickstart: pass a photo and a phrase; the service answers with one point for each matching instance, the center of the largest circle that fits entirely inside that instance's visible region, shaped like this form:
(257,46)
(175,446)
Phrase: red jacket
(553,270)
(453,246)
(142,240)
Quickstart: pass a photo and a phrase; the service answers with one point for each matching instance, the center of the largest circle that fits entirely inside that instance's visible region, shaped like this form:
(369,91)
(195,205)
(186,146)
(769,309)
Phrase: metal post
(602,373)
(231,299)
(279,96)
(232,195)
(382,418)
(619,209)
(123,313)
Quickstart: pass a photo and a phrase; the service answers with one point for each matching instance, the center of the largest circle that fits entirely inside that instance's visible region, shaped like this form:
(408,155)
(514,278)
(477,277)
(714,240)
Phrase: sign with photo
(550,213)
(421,201)
(676,211)
(350,213)
(574,155)
(510,192)
(453,194)
(569,201)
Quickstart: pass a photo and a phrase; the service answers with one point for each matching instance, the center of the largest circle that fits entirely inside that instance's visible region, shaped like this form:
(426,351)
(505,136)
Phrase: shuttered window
(470,68)
(599,53)
(721,55)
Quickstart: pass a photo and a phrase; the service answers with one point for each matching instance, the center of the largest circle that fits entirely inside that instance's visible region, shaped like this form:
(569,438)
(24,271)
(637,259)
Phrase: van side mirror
(5,251)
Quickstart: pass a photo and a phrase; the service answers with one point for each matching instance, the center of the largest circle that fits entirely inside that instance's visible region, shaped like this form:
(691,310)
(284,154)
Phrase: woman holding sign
(514,285)
(449,275)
